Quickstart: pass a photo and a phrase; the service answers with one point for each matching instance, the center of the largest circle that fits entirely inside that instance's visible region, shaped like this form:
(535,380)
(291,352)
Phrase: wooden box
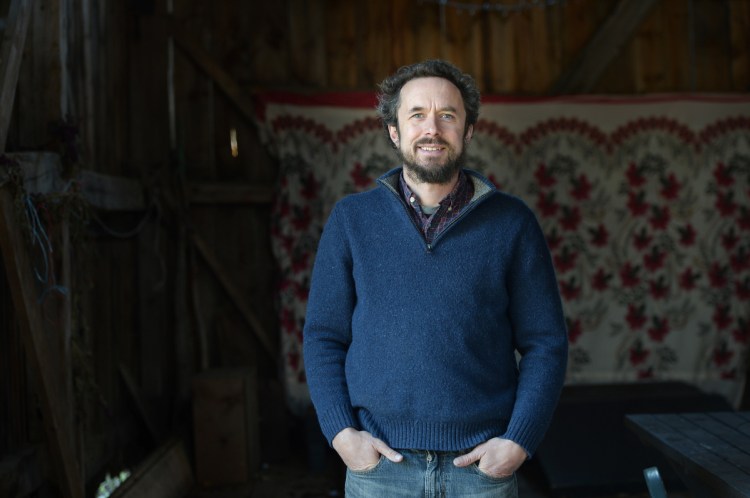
(225,423)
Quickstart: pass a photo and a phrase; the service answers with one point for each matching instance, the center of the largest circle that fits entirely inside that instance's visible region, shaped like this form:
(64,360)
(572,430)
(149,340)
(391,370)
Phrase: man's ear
(469,133)
(393,132)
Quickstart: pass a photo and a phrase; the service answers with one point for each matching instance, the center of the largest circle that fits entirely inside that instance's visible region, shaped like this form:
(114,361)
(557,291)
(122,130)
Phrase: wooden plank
(374,64)
(38,104)
(720,438)
(112,193)
(712,46)
(230,193)
(426,32)
(225,422)
(307,55)
(235,294)
(649,41)
(165,474)
(596,56)
(42,175)
(403,53)
(739,26)
(461,39)
(140,403)
(264,57)
(503,74)
(341,41)
(212,68)
(676,28)
(535,72)
(23,289)
(693,451)
(11,53)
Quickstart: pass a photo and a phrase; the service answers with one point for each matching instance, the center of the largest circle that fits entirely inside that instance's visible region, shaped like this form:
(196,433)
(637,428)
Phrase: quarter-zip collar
(483,188)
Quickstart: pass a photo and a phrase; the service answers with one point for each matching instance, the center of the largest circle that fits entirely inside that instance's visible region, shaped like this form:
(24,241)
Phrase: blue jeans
(427,474)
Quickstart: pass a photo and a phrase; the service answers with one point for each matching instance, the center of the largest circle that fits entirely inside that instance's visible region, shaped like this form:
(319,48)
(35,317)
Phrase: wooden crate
(225,424)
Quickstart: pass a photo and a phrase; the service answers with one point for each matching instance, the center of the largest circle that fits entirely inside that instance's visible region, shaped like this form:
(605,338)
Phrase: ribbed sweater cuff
(525,433)
(336,420)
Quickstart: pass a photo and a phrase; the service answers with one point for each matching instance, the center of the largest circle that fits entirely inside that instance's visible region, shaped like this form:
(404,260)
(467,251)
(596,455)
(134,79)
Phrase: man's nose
(431,125)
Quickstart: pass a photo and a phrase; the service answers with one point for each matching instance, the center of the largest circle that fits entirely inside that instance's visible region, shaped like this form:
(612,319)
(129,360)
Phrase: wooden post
(11,52)
(52,397)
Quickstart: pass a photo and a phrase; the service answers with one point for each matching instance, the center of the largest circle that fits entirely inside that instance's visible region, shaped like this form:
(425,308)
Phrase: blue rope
(39,237)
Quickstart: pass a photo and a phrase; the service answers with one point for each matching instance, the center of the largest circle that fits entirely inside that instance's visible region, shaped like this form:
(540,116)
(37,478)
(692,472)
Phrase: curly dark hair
(389,96)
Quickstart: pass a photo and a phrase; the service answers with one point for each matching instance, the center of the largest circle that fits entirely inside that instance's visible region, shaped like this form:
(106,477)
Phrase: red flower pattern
(599,236)
(571,218)
(654,260)
(688,279)
(670,187)
(629,275)
(659,217)
(687,235)
(600,280)
(659,329)
(636,317)
(723,176)
(359,176)
(570,290)
(575,329)
(543,176)
(642,239)
(721,317)
(637,203)
(635,176)
(725,203)
(581,188)
(546,204)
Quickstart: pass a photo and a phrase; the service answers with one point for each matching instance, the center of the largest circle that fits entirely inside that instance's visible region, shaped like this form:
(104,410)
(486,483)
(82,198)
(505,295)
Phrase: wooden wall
(151,89)
(680,45)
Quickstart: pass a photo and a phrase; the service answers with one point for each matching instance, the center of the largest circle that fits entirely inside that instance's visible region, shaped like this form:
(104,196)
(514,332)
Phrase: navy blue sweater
(440,346)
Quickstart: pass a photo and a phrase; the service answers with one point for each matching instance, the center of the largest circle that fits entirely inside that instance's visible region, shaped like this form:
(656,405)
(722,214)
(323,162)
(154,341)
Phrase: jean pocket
(484,475)
(368,470)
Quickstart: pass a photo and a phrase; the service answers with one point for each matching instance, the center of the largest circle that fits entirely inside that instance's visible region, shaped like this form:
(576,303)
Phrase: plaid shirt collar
(449,208)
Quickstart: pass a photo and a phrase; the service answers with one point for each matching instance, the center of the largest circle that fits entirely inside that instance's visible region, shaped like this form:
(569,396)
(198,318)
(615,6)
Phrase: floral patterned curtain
(645,203)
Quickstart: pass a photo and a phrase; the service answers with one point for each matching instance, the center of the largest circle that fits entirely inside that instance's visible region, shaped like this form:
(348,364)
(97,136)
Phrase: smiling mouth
(432,146)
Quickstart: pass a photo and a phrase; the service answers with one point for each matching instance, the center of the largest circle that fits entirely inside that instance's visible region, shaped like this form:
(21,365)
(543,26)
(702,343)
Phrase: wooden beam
(140,403)
(229,193)
(213,69)
(235,294)
(166,473)
(603,47)
(41,175)
(226,280)
(112,193)
(11,52)
(52,398)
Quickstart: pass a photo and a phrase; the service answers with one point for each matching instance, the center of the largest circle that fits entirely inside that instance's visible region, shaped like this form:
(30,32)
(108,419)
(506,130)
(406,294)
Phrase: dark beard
(436,174)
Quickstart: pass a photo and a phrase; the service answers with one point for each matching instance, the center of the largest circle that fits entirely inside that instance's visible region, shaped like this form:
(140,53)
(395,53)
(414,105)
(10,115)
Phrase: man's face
(430,134)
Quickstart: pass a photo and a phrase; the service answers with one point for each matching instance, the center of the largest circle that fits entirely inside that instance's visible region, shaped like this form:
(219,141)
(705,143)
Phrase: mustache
(431,141)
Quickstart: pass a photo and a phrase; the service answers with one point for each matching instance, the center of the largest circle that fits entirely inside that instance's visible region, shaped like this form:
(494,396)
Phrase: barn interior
(166,167)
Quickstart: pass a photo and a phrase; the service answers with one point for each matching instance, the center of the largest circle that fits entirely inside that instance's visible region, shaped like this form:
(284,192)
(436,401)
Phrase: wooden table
(709,451)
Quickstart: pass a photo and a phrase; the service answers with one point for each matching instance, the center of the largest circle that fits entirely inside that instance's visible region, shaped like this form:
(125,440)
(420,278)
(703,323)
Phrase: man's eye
(417,115)
(448,117)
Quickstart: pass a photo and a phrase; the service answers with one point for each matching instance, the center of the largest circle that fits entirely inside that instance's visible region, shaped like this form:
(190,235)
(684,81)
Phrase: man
(424,290)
